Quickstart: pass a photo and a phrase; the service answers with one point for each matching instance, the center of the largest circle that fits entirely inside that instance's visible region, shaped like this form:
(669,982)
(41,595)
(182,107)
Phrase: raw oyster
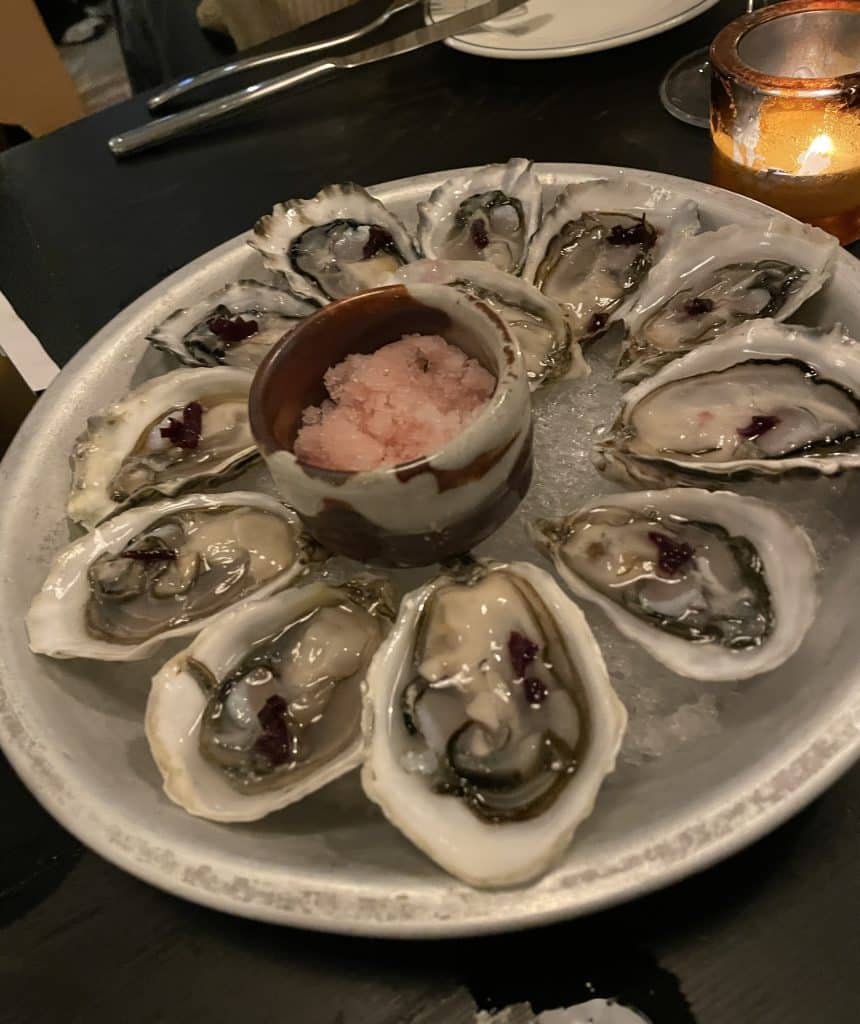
(536,322)
(763,398)
(714,585)
(264,707)
(340,242)
(183,430)
(490,722)
(163,570)
(235,326)
(486,214)
(597,245)
(721,279)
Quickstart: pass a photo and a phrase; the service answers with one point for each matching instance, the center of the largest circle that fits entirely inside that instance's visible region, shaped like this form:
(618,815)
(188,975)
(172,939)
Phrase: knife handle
(173,125)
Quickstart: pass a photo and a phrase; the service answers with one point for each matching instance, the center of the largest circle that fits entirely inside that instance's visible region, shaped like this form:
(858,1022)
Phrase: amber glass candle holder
(785,111)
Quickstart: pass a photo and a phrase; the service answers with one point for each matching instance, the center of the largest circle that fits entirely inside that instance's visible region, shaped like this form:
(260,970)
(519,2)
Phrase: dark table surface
(770,937)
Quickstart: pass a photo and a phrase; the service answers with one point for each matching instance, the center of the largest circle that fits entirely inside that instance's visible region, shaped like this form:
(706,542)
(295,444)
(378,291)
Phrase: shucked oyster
(597,245)
(162,571)
(186,429)
(716,586)
(235,326)
(490,722)
(536,322)
(340,242)
(265,706)
(764,398)
(486,214)
(721,279)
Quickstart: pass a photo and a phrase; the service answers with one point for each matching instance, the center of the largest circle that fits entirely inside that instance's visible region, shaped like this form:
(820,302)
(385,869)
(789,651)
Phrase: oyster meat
(597,245)
(764,398)
(235,326)
(714,585)
(160,571)
(265,706)
(536,322)
(340,242)
(491,722)
(721,279)
(186,429)
(487,214)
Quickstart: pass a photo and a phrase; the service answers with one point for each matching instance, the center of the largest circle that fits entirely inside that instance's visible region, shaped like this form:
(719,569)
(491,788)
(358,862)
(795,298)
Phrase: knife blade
(173,126)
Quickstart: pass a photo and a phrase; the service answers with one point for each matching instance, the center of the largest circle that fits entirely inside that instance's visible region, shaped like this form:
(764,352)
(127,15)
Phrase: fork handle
(173,125)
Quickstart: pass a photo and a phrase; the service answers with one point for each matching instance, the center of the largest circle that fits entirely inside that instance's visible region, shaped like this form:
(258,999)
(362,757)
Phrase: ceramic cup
(434,507)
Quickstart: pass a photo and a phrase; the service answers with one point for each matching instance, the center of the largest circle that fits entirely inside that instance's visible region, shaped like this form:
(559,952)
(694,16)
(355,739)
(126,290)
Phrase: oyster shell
(597,245)
(490,722)
(183,430)
(765,398)
(234,326)
(714,585)
(536,322)
(721,279)
(488,214)
(340,242)
(264,707)
(161,571)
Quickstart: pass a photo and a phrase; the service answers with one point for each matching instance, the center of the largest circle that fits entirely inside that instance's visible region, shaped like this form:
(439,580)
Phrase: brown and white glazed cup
(424,511)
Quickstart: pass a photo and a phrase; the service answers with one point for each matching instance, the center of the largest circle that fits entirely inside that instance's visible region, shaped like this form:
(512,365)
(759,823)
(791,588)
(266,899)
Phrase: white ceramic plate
(562,28)
(74,729)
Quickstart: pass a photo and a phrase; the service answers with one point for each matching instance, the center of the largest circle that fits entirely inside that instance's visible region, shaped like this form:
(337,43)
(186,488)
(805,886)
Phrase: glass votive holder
(785,111)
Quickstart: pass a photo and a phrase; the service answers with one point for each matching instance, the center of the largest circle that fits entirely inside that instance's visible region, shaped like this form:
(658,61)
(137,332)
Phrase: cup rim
(263,431)
(725,56)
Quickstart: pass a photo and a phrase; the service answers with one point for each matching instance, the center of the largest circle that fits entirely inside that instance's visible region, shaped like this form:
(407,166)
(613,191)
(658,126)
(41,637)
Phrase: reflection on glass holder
(785,111)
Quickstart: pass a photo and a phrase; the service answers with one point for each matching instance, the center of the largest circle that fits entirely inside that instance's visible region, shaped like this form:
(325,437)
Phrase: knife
(174,125)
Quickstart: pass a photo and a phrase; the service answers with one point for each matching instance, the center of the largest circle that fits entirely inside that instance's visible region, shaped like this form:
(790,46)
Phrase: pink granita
(407,399)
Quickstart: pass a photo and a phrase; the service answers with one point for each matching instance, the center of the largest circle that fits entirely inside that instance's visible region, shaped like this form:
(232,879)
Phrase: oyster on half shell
(765,398)
(487,214)
(183,430)
(719,280)
(490,722)
(598,243)
(234,326)
(536,322)
(264,707)
(714,585)
(341,242)
(161,571)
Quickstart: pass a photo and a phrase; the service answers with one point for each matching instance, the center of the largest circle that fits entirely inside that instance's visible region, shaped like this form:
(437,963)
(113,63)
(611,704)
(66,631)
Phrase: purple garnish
(757,426)
(378,240)
(522,652)
(232,330)
(274,744)
(698,306)
(673,555)
(151,554)
(185,432)
(597,322)
(478,231)
(641,233)
(535,691)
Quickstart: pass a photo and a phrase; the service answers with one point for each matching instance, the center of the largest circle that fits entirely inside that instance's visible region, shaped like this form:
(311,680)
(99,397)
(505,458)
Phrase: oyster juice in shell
(715,586)
(265,707)
(721,279)
(488,214)
(186,429)
(491,722)
(234,326)
(161,571)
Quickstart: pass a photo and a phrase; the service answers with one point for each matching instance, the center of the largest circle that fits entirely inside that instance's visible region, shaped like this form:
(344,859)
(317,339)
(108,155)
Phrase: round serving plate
(563,28)
(752,754)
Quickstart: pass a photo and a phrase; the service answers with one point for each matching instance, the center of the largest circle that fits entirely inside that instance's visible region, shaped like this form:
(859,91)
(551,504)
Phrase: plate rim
(727,826)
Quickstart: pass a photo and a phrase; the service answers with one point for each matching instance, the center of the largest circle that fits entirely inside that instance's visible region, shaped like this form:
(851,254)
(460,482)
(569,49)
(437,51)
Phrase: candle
(785,111)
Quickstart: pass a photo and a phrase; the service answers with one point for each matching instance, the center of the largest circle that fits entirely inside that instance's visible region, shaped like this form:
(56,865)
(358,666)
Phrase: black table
(769,937)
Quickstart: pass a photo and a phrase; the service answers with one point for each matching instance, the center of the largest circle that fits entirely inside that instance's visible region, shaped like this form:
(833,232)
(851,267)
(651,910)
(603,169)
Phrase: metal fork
(186,85)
